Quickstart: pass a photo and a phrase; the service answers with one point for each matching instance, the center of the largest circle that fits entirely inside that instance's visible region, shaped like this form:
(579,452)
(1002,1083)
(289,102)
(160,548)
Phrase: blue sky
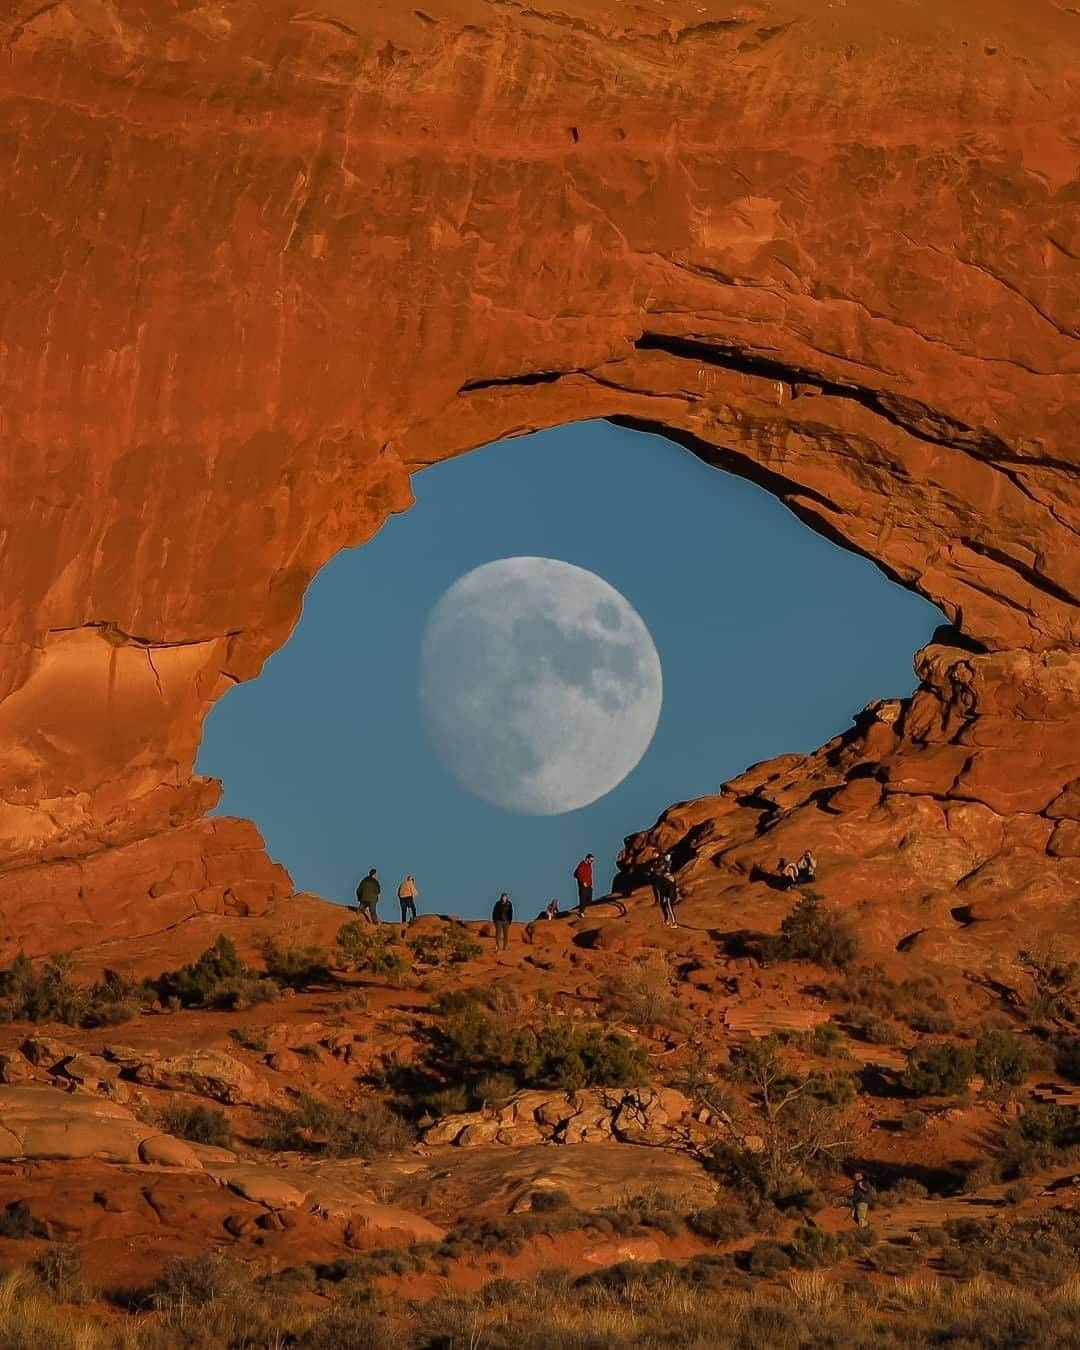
(770,639)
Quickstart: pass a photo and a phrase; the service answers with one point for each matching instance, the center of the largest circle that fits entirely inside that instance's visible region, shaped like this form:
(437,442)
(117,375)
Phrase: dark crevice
(535,377)
(908,414)
(1029,574)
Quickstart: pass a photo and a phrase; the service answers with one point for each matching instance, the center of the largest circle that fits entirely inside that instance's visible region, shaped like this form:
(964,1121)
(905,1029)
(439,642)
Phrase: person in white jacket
(406,894)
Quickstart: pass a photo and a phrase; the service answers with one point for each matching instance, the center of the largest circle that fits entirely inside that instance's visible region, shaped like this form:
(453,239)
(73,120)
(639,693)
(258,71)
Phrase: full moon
(540,685)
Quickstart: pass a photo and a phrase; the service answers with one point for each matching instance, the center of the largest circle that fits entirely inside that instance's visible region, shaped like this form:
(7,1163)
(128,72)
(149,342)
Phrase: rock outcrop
(263,263)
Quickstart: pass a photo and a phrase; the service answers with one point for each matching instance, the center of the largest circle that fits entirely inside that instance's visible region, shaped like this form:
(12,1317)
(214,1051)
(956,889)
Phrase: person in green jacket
(367,897)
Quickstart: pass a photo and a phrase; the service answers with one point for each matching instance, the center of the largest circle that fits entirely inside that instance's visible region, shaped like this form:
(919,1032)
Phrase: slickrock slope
(262,262)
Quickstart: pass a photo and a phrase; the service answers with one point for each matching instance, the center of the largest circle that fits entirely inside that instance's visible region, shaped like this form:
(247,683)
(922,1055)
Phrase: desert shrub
(448,1101)
(16,1221)
(720,1223)
(913,1122)
(472,1045)
(1017,1193)
(960,1262)
(356,1329)
(1044,1136)
(1002,1059)
(369,950)
(901,1191)
(493,1087)
(813,1247)
(1067,1058)
(452,945)
(870,1027)
(766,1258)
(200,1124)
(800,1119)
(218,979)
(46,993)
(59,1268)
(895,1258)
(810,933)
(940,1069)
(296,967)
(313,1125)
(827,1041)
(199,1280)
(546,1202)
(929,1022)
(1055,983)
(643,993)
(251,1038)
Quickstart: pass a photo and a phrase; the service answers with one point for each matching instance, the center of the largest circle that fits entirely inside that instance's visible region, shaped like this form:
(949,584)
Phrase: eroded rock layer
(263,262)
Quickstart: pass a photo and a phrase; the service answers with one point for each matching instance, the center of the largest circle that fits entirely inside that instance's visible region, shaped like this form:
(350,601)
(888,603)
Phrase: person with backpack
(860,1201)
(367,897)
(502,916)
(406,894)
(583,875)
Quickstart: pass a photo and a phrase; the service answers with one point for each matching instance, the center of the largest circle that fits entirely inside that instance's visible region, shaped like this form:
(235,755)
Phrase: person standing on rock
(807,866)
(583,875)
(406,894)
(860,1201)
(367,897)
(502,916)
(665,891)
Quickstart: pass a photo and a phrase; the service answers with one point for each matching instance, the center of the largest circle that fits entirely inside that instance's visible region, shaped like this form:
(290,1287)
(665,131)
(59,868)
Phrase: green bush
(721,1223)
(940,1069)
(200,1124)
(369,950)
(473,1045)
(312,1125)
(810,933)
(296,967)
(1067,1058)
(451,946)
(1002,1058)
(59,1268)
(218,979)
(46,993)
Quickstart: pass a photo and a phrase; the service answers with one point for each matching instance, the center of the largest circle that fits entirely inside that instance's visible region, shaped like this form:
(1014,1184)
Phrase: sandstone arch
(265,262)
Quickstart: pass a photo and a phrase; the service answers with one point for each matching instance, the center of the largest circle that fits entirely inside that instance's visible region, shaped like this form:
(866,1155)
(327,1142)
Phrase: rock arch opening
(769,638)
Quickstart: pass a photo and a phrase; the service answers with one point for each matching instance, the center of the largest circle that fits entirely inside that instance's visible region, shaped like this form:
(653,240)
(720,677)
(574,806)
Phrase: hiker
(583,875)
(367,897)
(665,891)
(551,911)
(788,872)
(860,1201)
(806,867)
(406,894)
(502,916)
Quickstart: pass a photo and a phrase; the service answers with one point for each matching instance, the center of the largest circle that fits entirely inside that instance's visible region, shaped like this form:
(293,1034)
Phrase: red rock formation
(263,262)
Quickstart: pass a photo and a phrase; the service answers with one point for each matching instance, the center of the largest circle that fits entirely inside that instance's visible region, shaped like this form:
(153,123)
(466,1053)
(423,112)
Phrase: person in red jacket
(584,878)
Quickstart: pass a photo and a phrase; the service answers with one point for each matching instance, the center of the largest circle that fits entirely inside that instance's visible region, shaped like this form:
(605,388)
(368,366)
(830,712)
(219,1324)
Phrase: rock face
(263,263)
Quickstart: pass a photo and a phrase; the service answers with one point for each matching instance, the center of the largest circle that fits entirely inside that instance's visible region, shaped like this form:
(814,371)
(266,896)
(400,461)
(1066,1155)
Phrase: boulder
(164,1150)
(206,1073)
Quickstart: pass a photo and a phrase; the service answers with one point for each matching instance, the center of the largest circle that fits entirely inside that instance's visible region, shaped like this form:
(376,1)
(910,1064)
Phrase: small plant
(199,1124)
(721,1223)
(296,967)
(366,1130)
(811,933)
(1002,1058)
(251,1038)
(369,950)
(59,1268)
(1055,984)
(199,1280)
(16,1221)
(450,946)
(940,1069)
(218,979)
(643,993)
